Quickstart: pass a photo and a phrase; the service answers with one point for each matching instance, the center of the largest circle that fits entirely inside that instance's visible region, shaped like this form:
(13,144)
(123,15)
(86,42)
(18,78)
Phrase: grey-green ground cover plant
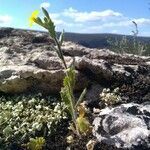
(80,124)
(22,118)
(110,97)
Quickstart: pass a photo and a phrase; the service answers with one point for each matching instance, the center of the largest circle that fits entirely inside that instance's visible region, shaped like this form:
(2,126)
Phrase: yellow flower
(33,17)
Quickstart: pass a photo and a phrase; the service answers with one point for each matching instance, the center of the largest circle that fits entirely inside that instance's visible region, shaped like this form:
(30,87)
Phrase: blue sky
(82,16)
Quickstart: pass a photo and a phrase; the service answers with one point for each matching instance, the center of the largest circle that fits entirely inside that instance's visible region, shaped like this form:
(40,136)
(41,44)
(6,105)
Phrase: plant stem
(60,50)
(74,115)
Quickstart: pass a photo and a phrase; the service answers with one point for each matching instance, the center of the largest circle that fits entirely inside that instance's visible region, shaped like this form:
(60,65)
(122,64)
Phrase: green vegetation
(107,40)
(110,97)
(79,125)
(131,46)
(36,144)
(25,117)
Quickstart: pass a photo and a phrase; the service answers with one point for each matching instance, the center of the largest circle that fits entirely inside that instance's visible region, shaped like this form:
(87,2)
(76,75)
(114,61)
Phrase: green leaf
(66,97)
(48,24)
(83,125)
(46,20)
(67,91)
(39,21)
(51,28)
(36,144)
(61,38)
(81,97)
(46,13)
(71,76)
(7,131)
(82,122)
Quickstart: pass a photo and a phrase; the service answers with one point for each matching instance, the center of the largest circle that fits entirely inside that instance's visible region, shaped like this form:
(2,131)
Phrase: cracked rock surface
(28,63)
(126,126)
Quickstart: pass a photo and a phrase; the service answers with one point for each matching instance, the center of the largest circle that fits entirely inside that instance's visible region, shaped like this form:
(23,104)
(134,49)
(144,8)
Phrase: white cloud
(142,21)
(54,15)
(5,19)
(123,23)
(114,31)
(59,22)
(56,19)
(106,21)
(96,19)
(45,5)
(126,22)
(90,16)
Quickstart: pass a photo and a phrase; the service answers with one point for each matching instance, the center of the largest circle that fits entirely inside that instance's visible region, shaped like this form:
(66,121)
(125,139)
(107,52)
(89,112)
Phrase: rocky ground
(29,65)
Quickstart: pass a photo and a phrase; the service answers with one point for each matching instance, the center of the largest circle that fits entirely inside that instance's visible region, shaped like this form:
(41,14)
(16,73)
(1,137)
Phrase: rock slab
(28,63)
(124,127)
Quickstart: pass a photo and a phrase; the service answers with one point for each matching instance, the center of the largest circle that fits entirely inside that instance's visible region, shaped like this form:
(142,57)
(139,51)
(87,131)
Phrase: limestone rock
(30,53)
(124,127)
(16,79)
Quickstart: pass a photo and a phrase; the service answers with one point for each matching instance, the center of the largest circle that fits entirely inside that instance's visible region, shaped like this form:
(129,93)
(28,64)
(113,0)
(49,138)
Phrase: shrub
(126,45)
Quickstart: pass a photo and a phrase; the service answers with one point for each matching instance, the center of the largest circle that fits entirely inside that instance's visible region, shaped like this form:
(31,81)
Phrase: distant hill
(102,40)
(99,40)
